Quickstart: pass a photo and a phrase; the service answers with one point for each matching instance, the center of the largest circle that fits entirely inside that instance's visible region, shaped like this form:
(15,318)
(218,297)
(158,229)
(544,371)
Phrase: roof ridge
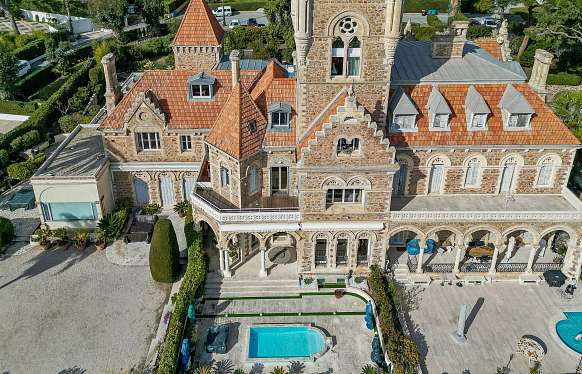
(495,62)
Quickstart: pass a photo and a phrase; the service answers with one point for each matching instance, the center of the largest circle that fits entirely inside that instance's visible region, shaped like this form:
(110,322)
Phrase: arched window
(253,180)
(400,177)
(546,172)
(354,55)
(346,147)
(473,172)
(337,57)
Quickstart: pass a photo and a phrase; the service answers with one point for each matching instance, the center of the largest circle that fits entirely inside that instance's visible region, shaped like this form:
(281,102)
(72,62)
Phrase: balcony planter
(309,283)
(148,214)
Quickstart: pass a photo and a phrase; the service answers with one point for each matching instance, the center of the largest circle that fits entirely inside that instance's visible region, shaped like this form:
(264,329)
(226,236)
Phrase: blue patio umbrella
(413,247)
(431,246)
(369,317)
(191,313)
(184,352)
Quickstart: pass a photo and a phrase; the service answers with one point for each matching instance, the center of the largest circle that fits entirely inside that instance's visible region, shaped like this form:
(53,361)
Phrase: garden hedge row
(24,170)
(564,79)
(35,81)
(25,141)
(401,350)
(24,108)
(192,281)
(164,252)
(6,232)
(31,50)
(48,113)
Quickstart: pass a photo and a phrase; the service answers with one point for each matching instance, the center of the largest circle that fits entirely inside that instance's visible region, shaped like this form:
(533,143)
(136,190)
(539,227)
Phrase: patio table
(482,251)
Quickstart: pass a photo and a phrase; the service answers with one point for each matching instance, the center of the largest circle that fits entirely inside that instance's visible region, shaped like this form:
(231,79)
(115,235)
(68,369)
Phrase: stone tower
(340,44)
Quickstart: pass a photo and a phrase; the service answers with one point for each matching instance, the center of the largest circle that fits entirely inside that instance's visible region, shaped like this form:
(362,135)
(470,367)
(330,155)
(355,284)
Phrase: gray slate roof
(401,103)
(202,78)
(245,64)
(437,103)
(475,103)
(414,64)
(514,102)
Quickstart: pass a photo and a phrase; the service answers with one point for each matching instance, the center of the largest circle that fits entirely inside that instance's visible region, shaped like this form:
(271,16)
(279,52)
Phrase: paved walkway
(63,311)
(499,314)
(25,27)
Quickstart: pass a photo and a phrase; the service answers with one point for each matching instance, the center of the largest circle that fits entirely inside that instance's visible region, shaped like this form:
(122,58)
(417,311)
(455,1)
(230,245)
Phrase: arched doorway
(480,249)
(396,249)
(281,255)
(442,258)
(553,247)
(519,244)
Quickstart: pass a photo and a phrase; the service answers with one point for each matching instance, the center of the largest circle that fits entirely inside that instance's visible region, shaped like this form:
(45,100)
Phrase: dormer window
(279,116)
(348,147)
(517,111)
(439,111)
(201,87)
(476,109)
(403,112)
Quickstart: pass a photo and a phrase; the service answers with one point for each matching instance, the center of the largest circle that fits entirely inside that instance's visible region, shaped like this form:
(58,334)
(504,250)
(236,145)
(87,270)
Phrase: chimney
(539,74)
(451,45)
(112,92)
(235,66)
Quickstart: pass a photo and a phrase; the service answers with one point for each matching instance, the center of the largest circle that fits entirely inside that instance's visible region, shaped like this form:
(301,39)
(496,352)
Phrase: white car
(223,11)
(486,21)
(233,23)
(23,67)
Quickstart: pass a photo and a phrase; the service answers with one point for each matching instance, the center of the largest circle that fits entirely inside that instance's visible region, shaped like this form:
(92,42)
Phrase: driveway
(74,312)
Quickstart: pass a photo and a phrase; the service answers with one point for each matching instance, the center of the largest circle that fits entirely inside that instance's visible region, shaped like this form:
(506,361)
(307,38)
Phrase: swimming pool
(569,329)
(285,341)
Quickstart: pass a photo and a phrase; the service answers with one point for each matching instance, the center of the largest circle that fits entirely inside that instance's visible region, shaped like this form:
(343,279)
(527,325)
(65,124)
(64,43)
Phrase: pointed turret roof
(199,27)
(240,126)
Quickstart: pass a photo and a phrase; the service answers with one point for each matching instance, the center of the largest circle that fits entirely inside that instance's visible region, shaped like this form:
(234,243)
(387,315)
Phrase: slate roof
(414,64)
(475,103)
(514,102)
(400,103)
(546,127)
(437,103)
(199,27)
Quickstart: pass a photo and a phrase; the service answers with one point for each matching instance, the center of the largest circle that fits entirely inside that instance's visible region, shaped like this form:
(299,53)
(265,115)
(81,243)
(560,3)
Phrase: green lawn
(416,6)
(78,8)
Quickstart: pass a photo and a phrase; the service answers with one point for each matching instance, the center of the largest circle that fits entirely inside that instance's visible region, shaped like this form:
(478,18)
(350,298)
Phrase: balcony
(271,209)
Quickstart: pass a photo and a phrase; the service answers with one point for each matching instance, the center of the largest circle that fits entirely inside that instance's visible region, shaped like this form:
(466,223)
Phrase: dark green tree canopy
(110,13)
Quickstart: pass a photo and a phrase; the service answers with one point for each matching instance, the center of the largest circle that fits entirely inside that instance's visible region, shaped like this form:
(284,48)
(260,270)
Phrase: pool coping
(327,346)
(554,334)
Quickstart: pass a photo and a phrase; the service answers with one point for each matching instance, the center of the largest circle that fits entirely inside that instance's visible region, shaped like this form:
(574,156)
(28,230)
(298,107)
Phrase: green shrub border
(6,232)
(24,108)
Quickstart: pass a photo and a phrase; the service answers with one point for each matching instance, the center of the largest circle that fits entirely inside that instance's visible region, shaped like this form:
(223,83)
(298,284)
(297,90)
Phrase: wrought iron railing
(438,268)
(545,266)
(475,267)
(517,267)
(362,260)
(412,264)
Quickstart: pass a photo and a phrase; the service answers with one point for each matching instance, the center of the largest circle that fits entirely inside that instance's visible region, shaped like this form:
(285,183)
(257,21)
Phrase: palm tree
(204,370)
(279,370)
(368,369)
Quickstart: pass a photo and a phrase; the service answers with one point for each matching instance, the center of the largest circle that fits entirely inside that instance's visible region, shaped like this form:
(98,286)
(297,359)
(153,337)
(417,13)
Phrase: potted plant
(339,293)
(148,213)
(368,369)
(43,236)
(309,283)
(181,208)
(111,225)
(100,239)
(80,238)
(62,236)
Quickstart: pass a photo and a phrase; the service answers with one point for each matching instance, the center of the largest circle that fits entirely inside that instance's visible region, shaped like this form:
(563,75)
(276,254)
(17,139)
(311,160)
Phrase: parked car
(223,11)
(430,12)
(485,21)
(23,67)
(233,23)
(252,22)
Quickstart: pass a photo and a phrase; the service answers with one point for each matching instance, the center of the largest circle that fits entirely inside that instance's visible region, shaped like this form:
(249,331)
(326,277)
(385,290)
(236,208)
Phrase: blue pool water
(284,342)
(568,329)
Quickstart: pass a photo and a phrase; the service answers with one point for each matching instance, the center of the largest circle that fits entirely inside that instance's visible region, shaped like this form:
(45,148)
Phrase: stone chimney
(112,91)
(539,74)
(235,66)
(451,45)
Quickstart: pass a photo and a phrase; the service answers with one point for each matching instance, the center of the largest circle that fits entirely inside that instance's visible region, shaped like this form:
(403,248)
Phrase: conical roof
(199,27)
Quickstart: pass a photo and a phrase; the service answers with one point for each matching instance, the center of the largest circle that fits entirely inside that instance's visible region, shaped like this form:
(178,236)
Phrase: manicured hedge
(189,230)
(4,158)
(35,81)
(164,253)
(31,50)
(24,108)
(191,283)
(401,350)
(564,79)
(24,170)
(479,31)
(6,231)
(25,141)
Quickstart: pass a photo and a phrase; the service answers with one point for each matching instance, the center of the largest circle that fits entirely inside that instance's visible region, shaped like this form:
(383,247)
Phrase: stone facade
(197,57)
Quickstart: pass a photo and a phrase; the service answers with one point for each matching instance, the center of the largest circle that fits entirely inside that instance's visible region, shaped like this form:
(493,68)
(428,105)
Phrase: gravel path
(75,311)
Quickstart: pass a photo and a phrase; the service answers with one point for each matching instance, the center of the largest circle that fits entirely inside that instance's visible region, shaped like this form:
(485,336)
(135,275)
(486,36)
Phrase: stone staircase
(219,287)
(401,274)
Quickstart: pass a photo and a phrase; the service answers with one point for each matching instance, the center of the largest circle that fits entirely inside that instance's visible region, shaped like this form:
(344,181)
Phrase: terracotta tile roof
(323,119)
(233,131)
(199,27)
(547,129)
(171,89)
(491,46)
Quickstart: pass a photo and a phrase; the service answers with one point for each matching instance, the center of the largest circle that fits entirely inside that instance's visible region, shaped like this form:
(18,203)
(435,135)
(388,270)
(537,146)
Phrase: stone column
(493,269)
(460,251)
(226,272)
(221,259)
(263,254)
(532,256)
(422,244)
(112,91)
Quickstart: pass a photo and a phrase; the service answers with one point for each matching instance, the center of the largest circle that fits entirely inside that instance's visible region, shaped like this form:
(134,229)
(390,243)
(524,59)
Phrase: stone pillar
(539,74)
(263,254)
(493,269)
(221,259)
(532,257)
(235,66)
(302,23)
(226,272)
(460,251)
(112,91)
(422,244)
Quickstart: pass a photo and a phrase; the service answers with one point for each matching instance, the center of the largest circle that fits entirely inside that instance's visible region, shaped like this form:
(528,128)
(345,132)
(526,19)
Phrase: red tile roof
(199,27)
(232,131)
(171,89)
(491,46)
(546,127)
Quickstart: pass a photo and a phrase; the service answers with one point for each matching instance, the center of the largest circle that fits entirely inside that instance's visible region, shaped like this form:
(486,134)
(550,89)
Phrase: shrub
(26,141)
(564,79)
(6,231)
(189,230)
(479,31)
(4,158)
(17,107)
(35,81)
(31,50)
(191,283)
(24,170)
(423,32)
(68,122)
(435,22)
(164,252)
(150,208)
(568,106)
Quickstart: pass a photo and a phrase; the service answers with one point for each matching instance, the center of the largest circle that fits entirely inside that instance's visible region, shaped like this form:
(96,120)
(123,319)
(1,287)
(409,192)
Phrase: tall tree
(68,11)
(12,10)
(531,5)
(110,13)
(8,73)
(559,22)
(151,11)
(278,12)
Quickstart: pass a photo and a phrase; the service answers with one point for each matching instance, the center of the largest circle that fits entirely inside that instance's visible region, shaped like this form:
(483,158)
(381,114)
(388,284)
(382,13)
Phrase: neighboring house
(73,187)
(368,142)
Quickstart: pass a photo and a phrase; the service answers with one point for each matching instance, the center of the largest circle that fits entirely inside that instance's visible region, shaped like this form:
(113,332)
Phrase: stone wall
(123,186)
(203,58)
(233,191)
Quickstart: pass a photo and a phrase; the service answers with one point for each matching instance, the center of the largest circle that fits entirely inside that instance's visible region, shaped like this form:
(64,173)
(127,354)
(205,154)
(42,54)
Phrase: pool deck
(352,339)
(498,315)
